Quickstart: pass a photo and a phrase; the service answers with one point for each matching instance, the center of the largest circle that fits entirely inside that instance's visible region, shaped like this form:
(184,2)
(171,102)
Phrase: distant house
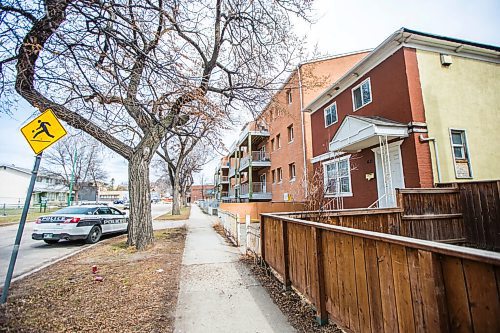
(418,110)
(15,181)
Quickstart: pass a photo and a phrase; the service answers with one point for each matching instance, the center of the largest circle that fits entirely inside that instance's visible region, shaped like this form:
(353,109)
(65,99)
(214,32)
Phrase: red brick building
(270,159)
(201,192)
(369,127)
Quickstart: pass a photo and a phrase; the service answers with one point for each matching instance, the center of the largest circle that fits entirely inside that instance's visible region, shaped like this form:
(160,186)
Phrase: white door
(263,181)
(396,167)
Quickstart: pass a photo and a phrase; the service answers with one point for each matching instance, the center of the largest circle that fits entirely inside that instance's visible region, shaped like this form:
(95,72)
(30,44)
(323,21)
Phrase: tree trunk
(176,209)
(140,232)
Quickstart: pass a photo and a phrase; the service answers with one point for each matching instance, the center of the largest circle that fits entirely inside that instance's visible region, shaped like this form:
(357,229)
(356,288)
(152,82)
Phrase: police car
(80,222)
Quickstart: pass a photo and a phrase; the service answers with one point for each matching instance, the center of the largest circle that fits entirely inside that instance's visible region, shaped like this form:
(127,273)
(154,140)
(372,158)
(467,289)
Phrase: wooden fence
(481,208)
(374,282)
(430,214)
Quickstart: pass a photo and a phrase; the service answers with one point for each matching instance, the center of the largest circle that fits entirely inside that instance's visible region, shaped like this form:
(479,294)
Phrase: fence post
(262,239)
(321,314)
(286,257)
(4,212)
(247,239)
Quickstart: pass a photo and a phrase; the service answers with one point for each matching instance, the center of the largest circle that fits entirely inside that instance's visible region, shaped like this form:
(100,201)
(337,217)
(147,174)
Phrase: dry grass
(138,292)
(185,211)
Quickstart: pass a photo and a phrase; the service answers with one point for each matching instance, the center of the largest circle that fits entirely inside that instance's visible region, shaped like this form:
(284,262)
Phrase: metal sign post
(20,230)
(40,133)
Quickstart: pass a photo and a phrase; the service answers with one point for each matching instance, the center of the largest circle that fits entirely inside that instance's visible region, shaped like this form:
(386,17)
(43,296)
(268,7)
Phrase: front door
(397,178)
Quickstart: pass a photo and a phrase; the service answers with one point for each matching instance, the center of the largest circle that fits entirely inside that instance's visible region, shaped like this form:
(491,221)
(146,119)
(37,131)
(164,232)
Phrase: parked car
(119,202)
(88,223)
(126,205)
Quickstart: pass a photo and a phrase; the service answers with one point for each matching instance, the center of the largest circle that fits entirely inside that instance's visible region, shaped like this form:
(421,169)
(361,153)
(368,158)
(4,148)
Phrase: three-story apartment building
(270,160)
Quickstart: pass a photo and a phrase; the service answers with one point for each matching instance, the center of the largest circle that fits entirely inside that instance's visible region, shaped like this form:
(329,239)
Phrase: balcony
(259,191)
(224,179)
(259,159)
(232,172)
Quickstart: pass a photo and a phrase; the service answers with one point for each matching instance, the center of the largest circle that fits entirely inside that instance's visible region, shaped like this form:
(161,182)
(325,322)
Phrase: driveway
(33,254)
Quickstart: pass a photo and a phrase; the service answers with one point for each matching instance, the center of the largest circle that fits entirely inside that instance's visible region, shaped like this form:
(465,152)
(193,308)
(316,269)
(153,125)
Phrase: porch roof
(359,132)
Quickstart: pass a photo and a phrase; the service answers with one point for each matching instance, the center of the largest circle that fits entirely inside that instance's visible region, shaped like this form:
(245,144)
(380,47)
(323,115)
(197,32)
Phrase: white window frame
(273,176)
(293,175)
(278,140)
(325,176)
(279,175)
(359,86)
(466,150)
(336,112)
(289,96)
(290,131)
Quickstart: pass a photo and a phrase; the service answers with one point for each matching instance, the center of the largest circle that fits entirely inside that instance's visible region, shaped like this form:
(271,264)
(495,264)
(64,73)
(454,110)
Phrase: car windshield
(75,210)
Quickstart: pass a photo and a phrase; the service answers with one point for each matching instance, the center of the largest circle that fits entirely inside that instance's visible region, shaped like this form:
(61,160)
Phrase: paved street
(33,254)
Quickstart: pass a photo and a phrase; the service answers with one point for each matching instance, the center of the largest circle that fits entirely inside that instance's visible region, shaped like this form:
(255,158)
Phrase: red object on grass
(94,269)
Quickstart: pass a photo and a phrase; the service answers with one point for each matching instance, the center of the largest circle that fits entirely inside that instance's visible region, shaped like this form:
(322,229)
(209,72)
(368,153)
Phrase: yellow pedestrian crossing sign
(43,131)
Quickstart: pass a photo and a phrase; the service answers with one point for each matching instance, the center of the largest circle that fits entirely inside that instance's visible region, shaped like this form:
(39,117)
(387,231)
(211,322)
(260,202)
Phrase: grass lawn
(185,211)
(15,215)
(132,291)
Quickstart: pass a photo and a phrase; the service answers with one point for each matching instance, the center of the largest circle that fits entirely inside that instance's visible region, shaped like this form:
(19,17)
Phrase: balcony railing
(232,172)
(258,157)
(224,179)
(261,156)
(257,187)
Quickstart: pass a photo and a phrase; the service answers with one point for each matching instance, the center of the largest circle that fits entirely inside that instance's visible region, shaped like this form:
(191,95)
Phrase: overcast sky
(340,26)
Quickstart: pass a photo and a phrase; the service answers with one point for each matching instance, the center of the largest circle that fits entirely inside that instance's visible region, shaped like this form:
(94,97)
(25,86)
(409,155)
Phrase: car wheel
(51,241)
(94,235)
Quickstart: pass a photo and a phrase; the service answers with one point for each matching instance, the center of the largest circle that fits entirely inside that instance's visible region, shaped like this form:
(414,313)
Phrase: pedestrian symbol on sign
(43,131)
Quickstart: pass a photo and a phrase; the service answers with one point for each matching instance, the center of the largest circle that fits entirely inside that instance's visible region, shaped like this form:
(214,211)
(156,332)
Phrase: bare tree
(80,151)
(128,72)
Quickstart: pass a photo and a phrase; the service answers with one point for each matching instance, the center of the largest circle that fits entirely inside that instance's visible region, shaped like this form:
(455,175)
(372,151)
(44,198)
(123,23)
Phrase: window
(331,114)
(273,176)
(460,154)
(289,96)
(280,175)
(337,177)
(278,141)
(272,144)
(362,94)
(291,171)
(290,133)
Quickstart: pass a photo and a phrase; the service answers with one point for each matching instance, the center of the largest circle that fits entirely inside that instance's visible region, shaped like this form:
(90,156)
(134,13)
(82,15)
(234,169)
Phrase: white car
(80,222)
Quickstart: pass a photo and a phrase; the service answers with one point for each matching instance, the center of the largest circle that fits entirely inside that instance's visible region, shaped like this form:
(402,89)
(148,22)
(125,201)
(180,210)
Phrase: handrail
(446,249)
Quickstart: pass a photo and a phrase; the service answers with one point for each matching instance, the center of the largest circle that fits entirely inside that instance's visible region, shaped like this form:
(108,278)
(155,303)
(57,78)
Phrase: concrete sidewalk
(217,292)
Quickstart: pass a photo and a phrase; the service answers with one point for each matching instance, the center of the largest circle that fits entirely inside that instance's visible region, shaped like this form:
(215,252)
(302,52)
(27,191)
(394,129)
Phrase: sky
(338,27)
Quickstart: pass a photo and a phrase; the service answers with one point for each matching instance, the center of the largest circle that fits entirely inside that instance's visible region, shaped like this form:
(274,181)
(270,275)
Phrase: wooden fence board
(361,285)
(387,287)
(350,286)
(484,301)
(415,274)
(342,280)
(404,307)
(456,295)
(331,281)
(373,286)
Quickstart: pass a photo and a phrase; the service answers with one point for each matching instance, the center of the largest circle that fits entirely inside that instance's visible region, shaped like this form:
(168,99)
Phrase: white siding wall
(13,186)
